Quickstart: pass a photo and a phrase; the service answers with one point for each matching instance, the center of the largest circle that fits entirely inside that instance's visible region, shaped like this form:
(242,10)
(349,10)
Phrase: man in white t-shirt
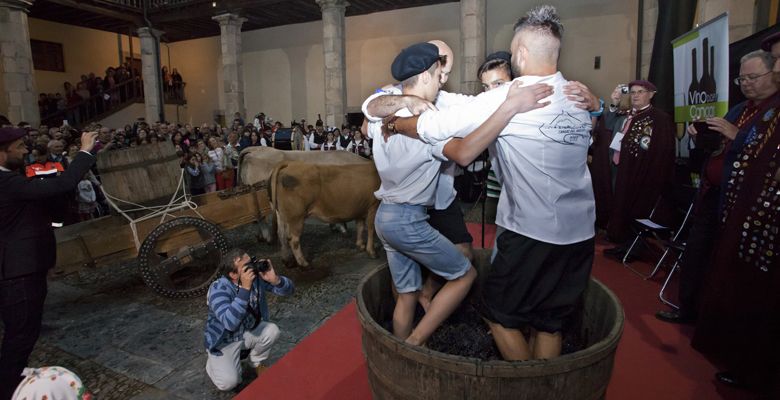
(547,208)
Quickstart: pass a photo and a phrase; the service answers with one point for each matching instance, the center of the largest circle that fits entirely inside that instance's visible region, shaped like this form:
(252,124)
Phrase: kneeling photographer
(238,316)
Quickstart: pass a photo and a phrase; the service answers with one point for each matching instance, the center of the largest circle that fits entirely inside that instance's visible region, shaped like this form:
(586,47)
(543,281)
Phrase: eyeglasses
(633,92)
(749,78)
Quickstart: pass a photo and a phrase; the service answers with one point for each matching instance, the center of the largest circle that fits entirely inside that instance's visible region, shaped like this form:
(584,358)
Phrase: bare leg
(429,289)
(434,283)
(403,314)
(548,345)
(445,302)
(511,342)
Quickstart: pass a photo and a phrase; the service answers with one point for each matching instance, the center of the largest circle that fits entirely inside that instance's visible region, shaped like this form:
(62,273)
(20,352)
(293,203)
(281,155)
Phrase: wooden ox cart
(176,237)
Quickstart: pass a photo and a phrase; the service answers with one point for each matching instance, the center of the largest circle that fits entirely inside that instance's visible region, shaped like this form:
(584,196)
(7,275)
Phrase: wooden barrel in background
(400,371)
(140,174)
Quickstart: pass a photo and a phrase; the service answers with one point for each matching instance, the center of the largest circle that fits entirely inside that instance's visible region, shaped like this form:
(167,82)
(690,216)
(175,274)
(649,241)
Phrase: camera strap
(255,312)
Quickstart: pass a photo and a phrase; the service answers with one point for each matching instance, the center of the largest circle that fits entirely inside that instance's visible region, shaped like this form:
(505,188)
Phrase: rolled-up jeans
(410,241)
(225,369)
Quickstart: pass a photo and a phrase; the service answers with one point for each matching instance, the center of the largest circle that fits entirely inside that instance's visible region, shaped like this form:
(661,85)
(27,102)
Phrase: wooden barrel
(140,174)
(400,371)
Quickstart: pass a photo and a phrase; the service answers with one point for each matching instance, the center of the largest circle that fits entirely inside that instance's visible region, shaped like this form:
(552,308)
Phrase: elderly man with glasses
(738,321)
(756,83)
(643,155)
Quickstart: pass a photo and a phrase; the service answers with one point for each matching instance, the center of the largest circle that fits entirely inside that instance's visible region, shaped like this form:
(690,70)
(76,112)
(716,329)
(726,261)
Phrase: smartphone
(706,138)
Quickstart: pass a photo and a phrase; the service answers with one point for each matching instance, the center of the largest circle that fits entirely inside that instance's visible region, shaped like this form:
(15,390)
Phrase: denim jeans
(410,242)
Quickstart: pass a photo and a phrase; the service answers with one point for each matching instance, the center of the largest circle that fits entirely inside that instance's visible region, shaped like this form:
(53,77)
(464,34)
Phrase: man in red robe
(757,84)
(739,321)
(645,163)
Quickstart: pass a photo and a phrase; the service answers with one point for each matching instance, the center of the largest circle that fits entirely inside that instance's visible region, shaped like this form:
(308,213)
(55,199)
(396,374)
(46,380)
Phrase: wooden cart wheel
(180,258)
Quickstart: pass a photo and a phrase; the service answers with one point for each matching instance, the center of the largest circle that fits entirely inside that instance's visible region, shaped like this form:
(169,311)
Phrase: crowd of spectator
(209,154)
(93,95)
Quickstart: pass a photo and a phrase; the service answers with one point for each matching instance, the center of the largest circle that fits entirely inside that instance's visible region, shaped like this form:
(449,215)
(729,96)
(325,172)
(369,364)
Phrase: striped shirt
(229,317)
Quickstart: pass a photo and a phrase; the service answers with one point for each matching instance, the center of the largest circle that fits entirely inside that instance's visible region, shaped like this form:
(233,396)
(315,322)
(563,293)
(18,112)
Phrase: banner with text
(701,71)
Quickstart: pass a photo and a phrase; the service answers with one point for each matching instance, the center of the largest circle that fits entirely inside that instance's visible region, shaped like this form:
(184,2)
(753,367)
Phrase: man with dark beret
(27,248)
(644,152)
(739,318)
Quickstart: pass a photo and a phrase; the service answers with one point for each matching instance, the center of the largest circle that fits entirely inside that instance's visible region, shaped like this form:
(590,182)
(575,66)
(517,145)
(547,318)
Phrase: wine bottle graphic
(712,71)
(693,88)
(707,82)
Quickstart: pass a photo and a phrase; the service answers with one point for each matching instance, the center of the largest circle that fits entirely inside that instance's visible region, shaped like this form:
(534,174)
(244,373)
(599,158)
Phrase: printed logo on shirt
(567,129)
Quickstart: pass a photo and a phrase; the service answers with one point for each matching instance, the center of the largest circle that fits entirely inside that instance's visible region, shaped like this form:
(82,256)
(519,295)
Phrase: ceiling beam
(124,16)
(205,10)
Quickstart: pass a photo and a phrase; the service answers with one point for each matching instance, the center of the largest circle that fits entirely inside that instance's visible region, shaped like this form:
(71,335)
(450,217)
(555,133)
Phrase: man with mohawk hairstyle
(547,208)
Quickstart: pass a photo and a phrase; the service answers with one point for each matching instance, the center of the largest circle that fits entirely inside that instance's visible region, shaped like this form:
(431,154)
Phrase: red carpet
(654,359)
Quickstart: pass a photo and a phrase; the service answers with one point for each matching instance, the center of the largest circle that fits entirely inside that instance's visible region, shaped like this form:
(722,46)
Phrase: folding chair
(647,228)
(680,248)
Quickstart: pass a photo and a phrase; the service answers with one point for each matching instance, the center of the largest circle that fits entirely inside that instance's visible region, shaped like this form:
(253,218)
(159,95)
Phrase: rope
(177,202)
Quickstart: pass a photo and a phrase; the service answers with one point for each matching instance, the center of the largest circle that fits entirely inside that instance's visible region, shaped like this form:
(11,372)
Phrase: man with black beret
(446,215)
(27,248)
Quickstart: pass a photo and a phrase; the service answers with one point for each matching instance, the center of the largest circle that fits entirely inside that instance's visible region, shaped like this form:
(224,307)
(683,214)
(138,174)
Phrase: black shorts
(535,283)
(449,222)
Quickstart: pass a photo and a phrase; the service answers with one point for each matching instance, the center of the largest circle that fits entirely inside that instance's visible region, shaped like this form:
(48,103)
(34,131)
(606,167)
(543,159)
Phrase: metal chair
(646,228)
(680,248)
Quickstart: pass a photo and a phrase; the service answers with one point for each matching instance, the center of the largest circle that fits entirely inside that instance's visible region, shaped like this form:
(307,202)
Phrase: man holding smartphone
(238,316)
(756,83)
(27,247)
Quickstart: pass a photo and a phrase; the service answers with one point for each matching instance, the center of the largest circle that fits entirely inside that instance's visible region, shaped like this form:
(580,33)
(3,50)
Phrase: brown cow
(331,193)
(256,164)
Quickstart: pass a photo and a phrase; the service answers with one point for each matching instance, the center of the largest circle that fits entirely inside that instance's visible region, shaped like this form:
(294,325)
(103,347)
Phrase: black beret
(414,60)
(500,55)
(768,41)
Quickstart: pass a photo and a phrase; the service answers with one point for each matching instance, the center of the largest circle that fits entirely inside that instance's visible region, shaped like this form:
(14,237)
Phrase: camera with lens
(258,265)
(624,89)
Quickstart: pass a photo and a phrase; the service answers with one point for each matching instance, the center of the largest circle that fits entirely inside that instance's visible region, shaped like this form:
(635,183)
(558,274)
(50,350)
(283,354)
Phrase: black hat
(10,134)
(414,60)
(768,41)
(500,55)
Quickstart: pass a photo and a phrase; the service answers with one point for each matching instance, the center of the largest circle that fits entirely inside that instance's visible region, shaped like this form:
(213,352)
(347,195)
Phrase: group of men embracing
(538,129)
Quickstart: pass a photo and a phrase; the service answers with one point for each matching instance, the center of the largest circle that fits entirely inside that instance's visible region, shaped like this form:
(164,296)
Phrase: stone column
(232,66)
(334,49)
(472,44)
(16,64)
(151,74)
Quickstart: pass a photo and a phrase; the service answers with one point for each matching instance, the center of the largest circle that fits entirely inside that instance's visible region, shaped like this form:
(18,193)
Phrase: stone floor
(126,342)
